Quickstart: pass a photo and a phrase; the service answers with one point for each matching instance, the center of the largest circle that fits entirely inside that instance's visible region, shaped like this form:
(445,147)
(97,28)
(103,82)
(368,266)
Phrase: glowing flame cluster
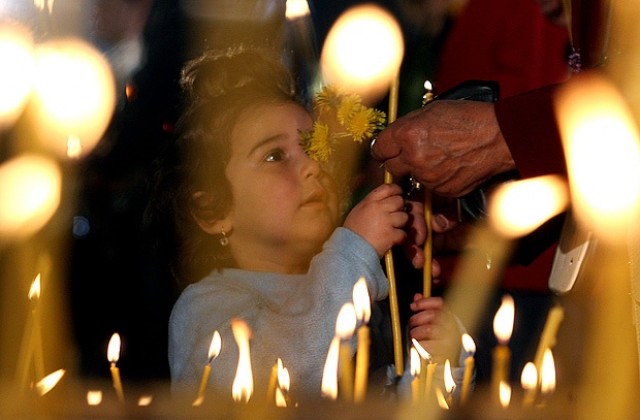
(242,387)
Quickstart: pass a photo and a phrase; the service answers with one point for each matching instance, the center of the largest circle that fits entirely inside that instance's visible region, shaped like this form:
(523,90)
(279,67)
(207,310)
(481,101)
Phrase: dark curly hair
(218,87)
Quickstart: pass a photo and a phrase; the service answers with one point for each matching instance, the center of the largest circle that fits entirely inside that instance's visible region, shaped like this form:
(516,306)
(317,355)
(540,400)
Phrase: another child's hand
(435,328)
(380,218)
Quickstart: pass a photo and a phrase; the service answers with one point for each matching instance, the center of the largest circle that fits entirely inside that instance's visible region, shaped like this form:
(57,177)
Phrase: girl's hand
(435,328)
(380,218)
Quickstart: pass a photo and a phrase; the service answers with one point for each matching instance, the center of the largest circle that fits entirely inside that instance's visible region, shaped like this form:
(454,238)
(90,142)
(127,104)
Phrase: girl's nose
(311,167)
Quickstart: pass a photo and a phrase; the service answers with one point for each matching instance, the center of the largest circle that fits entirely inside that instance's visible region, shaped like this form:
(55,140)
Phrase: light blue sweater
(292,317)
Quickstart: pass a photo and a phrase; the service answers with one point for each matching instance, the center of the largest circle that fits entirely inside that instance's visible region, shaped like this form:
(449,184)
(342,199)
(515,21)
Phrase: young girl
(256,220)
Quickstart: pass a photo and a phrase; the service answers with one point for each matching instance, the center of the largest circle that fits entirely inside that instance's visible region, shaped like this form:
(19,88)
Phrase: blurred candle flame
(363,51)
(548,375)
(74,94)
(414,362)
(297,8)
(30,189)
(346,321)
(361,300)
(16,72)
(503,320)
(34,290)
(284,380)
(113,349)
(424,354)
(505,394)
(449,383)
(519,207)
(215,346)
(94,397)
(145,400)
(42,4)
(47,383)
(598,131)
(468,344)
(442,400)
(329,387)
(242,387)
(529,376)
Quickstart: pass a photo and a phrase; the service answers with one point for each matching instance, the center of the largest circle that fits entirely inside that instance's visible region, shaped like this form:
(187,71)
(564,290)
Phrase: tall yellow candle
(529,382)
(501,355)
(273,381)
(388,256)
(548,336)
(469,365)
(428,245)
(362,305)
(214,350)
(415,364)
(113,354)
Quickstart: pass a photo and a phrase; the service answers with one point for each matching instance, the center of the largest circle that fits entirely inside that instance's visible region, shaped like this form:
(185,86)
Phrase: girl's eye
(274,156)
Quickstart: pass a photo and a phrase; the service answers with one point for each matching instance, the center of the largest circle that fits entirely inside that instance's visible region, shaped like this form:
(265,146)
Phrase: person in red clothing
(517,134)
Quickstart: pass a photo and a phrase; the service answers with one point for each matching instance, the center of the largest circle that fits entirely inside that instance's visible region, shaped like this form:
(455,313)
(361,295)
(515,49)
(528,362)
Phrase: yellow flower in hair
(349,104)
(318,143)
(364,123)
(354,121)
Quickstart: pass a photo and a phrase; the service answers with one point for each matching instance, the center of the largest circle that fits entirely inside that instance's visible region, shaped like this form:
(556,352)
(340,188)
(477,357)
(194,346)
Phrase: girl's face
(284,205)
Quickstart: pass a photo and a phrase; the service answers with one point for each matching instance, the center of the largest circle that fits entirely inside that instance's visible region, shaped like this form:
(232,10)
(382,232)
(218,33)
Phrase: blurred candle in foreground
(345,326)
(529,382)
(75,96)
(415,365)
(505,394)
(449,383)
(242,387)
(94,397)
(214,351)
(16,72)
(591,111)
(329,387)
(284,382)
(469,366)
(362,51)
(501,355)
(548,374)
(47,383)
(30,190)
(113,355)
(362,304)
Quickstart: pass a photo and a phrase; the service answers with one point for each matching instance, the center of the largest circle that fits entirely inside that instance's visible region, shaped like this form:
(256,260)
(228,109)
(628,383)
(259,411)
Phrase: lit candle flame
(346,321)
(34,290)
(215,346)
(505,394)
(449,383)
(113,349)
(242,387)
(442,400)
(363,51)
(362,300)
(16,72)
(424,354)
(414,362)
(297,9)
(284,380)
(47,383)
(30,190)
(42,4)
(529,376)
(607,200)
(468,344)
(94,397)
(503,320)
(519,207)
(329,387)
(548,375)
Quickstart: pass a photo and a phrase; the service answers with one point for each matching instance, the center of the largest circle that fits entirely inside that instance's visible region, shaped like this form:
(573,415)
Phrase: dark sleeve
(529,126)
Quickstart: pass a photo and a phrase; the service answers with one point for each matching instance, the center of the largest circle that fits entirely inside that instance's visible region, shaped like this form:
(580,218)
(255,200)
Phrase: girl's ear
(204,212)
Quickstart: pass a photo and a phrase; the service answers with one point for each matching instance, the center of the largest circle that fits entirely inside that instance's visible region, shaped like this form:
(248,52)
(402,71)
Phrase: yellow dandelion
(364,123)
(347,106)
(318,143)
(328,98)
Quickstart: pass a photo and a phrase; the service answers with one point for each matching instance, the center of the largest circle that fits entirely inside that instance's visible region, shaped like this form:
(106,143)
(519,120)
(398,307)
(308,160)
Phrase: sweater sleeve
(529,126)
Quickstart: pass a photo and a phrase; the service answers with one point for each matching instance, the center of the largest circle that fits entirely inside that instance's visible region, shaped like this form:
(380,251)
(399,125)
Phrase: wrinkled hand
(450,146)
(380,218)
(435,328)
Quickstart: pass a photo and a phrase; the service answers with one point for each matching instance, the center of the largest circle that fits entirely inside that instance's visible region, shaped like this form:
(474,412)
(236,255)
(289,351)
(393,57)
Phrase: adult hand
(450,146)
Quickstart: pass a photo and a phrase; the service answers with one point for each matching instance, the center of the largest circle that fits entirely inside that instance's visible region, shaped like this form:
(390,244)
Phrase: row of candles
(340,378)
